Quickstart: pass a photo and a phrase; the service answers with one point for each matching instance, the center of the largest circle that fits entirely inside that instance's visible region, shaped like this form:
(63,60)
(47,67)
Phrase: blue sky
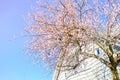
(14,64)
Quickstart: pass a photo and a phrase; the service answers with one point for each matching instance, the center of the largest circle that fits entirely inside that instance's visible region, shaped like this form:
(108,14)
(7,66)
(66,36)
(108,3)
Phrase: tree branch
(89,55)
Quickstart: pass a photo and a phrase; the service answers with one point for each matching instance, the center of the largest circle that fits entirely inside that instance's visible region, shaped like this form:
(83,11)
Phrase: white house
(91,69)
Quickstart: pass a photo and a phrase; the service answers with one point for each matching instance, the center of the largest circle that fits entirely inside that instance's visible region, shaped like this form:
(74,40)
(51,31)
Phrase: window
(116,48)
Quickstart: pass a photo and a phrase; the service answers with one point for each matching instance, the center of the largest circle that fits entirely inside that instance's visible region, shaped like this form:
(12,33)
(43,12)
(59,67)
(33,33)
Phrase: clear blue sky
(14,64)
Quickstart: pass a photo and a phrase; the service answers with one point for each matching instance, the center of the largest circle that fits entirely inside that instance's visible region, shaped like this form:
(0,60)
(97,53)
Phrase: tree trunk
(115,74)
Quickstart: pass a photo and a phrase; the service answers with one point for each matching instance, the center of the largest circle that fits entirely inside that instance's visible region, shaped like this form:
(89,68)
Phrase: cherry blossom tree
(61,30)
